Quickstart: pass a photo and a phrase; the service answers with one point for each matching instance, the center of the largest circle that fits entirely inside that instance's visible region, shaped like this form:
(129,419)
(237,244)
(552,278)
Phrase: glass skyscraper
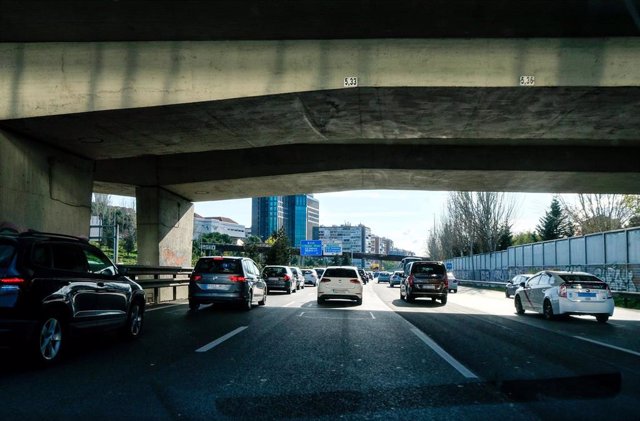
(297,214)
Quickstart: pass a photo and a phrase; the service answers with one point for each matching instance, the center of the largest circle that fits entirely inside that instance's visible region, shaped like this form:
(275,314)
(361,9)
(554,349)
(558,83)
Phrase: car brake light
(218,258)
(11,281)
(562,291)
(236,278)
(354,281)
(196,277)
(410,279)
(325,280)
(287,278)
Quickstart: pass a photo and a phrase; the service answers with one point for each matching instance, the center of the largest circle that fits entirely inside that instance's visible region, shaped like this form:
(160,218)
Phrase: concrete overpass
(194,100)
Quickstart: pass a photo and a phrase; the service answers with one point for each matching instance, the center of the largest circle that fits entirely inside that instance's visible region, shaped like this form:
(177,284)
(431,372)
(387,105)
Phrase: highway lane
(294,359)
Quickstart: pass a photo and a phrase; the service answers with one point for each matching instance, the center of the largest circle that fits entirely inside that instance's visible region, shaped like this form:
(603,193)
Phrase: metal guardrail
(153,278)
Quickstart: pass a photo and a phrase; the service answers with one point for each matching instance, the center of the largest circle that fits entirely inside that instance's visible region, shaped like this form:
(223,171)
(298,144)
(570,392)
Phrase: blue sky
(402,215)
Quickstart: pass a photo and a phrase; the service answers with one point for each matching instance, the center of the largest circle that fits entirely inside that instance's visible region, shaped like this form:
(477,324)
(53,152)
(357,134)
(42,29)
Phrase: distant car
(384,276)
(340,282)
(396,278)
(514,283)
(310,277)
(226,279)
(279,278)
(54,286)
(319,271)
(555,293)
(297,273)
(453,282)
(425,279)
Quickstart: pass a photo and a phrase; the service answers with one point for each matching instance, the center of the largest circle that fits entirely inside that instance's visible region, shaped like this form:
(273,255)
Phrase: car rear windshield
(581,279)
(6,254)
(340,273)
(218,266)
(274,271)
(428,269)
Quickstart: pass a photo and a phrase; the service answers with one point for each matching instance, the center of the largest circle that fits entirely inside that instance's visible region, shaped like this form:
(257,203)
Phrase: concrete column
(165,228)
(43,188)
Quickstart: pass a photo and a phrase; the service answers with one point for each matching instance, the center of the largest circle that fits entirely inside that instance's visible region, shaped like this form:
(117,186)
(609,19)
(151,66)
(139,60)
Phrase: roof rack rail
(32,232)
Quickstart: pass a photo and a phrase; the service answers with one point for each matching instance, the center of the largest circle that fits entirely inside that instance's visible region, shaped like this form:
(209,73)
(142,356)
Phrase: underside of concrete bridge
(183,101)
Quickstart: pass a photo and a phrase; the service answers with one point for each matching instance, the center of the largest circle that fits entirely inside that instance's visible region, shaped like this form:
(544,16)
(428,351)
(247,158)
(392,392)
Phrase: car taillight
(562,292)
(325,280)
(11,281)
(287,278)
(445,281)
(196,277)
(354,281)
(410,279)
(218,258)
(235,278)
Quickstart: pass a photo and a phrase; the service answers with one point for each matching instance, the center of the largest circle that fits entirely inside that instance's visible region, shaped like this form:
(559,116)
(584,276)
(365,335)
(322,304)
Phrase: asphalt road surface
(473,358)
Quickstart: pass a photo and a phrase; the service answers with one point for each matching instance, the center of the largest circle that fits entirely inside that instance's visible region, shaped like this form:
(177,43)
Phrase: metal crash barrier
(156,280)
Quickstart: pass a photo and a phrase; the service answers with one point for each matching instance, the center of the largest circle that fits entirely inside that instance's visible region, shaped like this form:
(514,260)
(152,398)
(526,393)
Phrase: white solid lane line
(609,346)
(288,304)
(221,339)
(442,353)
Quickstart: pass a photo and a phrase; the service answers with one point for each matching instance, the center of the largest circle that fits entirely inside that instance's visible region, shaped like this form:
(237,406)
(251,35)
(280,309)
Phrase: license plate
(427,286)
(273,279)
(587,294)
(340,291)
(215,286)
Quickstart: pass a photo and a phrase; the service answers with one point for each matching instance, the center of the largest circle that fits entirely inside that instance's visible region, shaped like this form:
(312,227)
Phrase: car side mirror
(123,270)
(522,284)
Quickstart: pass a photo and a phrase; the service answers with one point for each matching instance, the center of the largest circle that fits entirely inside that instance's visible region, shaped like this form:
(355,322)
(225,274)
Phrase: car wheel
(408,297)
(49,340)
(359,301)
(506,294)
(602,318)
(133,328)
(248,303)
(518,304)
(443,300)
(264,299)
(547,310)
(289,290)
(193,306)
(320,301)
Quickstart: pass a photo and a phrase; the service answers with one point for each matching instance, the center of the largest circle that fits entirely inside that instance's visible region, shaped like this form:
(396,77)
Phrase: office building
(298,215)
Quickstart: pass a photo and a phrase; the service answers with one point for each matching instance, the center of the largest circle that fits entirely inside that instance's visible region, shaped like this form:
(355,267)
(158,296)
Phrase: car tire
(408,297)
(248,303)
(359,301)
(264,299)
(547,310)
(193,306)
(289,290)
(135,320)
(320,301)
(602,318)
(506,294)
(443,300)
(49,341)
(518,303)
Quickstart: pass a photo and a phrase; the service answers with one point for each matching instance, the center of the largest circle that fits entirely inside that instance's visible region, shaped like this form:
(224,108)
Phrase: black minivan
(53,286)
(425,279)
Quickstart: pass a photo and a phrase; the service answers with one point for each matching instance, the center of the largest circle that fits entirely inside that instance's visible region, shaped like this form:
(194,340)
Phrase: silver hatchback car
(558,293)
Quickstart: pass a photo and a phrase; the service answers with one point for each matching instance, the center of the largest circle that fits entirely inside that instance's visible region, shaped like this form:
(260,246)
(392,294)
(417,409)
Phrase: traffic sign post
(332,250)
(310,248)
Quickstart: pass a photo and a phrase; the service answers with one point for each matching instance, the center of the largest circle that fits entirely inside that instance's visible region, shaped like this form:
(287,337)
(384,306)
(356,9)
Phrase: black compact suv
(53,286)
(424,279)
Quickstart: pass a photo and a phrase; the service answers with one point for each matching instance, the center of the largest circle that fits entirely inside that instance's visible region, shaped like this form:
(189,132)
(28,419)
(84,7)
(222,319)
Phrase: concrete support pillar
(165,228)
(43,188)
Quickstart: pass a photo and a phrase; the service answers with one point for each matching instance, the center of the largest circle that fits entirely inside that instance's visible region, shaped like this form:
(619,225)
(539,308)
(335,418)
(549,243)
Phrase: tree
(555,223)
(280,252)
(526,237)
(251,251)
(600,212)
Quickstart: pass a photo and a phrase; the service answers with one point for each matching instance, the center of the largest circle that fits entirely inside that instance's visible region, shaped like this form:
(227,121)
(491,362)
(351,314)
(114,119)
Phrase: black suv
(226,279)
(425,279)
(53,286)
